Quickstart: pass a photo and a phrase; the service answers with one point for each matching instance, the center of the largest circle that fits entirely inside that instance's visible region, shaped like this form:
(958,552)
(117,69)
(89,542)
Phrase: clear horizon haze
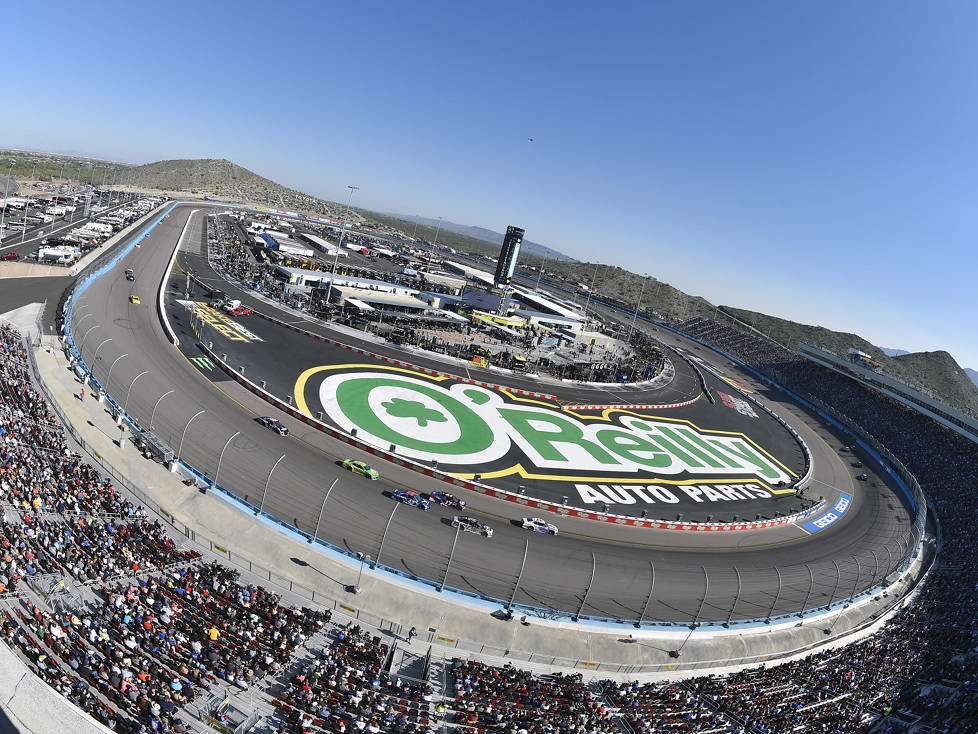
(812,161)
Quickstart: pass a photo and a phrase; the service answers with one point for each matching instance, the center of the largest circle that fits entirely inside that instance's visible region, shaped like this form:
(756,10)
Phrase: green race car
(361,468)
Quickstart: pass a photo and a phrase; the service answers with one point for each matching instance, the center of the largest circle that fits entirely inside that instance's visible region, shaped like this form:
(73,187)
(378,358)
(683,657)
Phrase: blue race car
(410,497)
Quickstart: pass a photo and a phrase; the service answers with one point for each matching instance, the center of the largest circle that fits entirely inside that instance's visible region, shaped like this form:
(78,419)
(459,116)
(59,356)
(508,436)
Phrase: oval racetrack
(128,340)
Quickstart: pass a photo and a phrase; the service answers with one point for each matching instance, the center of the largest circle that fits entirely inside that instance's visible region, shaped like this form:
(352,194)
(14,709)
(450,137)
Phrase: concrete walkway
(396,605)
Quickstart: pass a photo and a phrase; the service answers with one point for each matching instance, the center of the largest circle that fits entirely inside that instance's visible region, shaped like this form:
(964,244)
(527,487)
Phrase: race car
(241,311)
(471,525)
(130,276)
(274,425)
(538,525)
(410,497)
(134,299)
(450,500)
(863,477)
(359,467)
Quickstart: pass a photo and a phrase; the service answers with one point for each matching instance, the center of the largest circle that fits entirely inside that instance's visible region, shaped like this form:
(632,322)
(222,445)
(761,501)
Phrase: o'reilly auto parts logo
(466,427)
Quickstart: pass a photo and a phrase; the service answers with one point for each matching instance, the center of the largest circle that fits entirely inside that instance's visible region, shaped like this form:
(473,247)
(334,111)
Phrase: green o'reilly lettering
(353,398)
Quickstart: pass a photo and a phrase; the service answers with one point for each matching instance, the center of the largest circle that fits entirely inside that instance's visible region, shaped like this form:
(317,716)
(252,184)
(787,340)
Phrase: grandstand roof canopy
(383,298)
(547,304)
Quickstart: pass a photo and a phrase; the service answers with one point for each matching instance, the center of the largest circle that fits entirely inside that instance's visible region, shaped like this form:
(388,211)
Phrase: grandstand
(138,630)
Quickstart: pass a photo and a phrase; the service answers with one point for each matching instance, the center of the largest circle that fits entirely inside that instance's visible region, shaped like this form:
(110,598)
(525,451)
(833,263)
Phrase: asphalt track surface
(128,340)
(279,356)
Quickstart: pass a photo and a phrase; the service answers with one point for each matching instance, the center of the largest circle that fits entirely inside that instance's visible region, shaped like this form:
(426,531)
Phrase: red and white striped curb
(502,494)
(646,406)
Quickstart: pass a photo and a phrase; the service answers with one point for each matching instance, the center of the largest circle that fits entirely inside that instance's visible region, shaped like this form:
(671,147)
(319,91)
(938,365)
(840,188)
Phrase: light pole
(638,305)
(90,330)
(184,434)
(111,366)
(315,533)
(125,403)
(153,415)
(590,291)
(73,206)
(434,245)
(221,458)
(363,559)
(6,187)
(261,505)
(336,257)
(383,537)
(95,358)
(23,231)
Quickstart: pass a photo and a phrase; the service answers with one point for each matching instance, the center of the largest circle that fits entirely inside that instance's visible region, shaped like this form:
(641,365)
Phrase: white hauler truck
(63,254)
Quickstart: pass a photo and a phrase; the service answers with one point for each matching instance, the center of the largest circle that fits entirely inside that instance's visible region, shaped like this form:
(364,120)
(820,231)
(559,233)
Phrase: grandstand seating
(162,627)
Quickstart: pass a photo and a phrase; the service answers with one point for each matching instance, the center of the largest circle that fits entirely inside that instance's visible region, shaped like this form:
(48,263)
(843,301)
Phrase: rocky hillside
(936,373)
(225,180)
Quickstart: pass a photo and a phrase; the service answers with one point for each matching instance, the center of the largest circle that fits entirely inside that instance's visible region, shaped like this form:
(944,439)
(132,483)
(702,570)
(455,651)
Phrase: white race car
(472,525)
(538,525)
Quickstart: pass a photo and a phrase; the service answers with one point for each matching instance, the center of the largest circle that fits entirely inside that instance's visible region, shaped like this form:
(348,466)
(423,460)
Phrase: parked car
(9,256)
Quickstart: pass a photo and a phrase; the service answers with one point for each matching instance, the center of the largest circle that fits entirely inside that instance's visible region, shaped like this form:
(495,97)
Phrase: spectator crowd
(152,627)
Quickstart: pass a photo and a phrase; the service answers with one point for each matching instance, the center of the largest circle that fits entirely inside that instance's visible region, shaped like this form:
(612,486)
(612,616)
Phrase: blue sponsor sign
(830,516)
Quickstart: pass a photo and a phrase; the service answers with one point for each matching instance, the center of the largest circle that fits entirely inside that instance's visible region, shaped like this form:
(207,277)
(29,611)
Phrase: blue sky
(815,161)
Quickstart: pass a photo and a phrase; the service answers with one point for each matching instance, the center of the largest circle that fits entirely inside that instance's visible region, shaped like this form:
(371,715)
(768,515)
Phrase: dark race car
(447,499)
(410,497)
(472,525)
